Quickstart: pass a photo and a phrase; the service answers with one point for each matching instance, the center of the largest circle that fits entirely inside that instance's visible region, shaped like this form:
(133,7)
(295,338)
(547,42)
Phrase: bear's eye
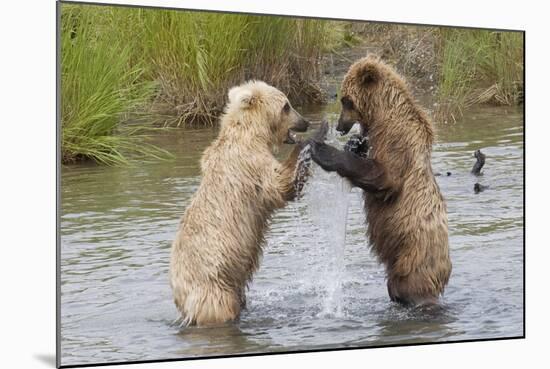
(286,108)
(347,103)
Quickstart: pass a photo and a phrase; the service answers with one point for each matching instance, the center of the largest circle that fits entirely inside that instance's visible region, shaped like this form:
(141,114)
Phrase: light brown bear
(406,213)
(220,237)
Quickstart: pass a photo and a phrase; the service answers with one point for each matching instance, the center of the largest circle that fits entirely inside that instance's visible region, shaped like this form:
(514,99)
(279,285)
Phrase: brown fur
(409,231)
(219,243)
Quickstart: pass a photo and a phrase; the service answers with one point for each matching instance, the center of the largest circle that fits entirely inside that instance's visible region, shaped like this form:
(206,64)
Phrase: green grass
(197,57)
(121,64)
(479,66)
(126,70)
(99,90)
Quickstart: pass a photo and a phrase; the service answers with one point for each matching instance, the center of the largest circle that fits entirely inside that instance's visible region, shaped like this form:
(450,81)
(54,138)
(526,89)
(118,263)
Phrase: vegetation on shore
(121,64)
(477,67)
(101,88)
(197,57)
(461,67)
(127,70)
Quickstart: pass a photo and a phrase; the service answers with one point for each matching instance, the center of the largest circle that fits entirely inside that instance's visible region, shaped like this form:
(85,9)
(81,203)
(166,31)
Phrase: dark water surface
(318,285)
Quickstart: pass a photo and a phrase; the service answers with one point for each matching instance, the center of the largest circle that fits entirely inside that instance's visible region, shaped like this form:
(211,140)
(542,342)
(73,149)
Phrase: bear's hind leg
(218,307)
(407,291)
(211,306)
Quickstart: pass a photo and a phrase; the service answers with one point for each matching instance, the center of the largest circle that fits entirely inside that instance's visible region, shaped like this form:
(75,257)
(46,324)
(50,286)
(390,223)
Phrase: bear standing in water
(406,213)
(220,237)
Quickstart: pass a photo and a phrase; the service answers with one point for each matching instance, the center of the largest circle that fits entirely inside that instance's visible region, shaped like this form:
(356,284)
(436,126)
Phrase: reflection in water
(405,325)
(117,225)
(209,341)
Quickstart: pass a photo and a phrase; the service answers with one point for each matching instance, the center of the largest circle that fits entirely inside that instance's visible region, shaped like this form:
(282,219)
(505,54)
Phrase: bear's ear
(241,97)
(368,75)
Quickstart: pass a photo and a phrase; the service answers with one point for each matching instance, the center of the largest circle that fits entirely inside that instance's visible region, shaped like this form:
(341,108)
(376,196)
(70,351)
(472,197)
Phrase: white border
(27,151)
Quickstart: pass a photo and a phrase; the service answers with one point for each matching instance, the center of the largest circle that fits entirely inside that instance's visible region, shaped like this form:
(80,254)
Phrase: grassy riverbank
(460,67)
(479,67)
(101,86)
(127,70)
(121,64)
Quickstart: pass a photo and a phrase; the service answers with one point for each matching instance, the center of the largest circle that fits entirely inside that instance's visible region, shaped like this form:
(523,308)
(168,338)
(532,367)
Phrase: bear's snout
(344,126)
(301,126)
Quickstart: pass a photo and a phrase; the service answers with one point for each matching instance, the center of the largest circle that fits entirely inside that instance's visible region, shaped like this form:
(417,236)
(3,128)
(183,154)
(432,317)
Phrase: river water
(318,285)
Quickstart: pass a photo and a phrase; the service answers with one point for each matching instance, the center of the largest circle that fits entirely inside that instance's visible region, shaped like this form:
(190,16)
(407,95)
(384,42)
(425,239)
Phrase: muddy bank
(411,53)
(449,70)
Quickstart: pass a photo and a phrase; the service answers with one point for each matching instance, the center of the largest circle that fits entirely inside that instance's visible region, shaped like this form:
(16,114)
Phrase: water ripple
(312,291)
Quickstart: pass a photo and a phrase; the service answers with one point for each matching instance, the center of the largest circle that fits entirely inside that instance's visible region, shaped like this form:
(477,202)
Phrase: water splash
(303,171)
(327,198)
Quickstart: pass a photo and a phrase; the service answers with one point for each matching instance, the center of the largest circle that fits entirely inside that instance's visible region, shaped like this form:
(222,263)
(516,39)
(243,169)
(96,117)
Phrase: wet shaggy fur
(406,213)
(219,242)
(409,233)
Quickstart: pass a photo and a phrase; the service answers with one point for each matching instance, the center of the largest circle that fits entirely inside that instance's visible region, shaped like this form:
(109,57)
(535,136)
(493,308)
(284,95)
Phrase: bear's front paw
(324,155)
(303,171)
(358,145)
(321,134)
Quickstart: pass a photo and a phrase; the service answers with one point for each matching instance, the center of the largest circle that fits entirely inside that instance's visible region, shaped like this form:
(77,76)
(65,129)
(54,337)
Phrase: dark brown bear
(406,213)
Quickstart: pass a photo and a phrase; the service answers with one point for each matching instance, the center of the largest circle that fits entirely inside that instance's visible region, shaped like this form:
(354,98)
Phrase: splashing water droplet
(327,197)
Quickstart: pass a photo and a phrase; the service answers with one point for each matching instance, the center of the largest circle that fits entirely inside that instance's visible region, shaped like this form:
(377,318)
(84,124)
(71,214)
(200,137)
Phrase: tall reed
(99,89)
(120,62)
(479,66)
(197,56)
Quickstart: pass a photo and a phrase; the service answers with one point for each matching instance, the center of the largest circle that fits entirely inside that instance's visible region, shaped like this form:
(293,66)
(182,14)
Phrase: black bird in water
(479,188)
(476,170)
